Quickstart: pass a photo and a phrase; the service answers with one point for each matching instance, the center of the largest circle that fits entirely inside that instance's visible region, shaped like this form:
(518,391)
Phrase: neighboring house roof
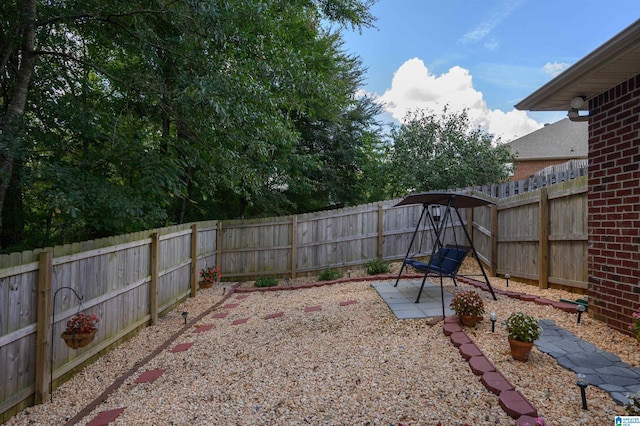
(564,139)
(614,62)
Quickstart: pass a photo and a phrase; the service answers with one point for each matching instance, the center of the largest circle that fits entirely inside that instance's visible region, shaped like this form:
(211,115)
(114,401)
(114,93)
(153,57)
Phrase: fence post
(43,328)
(469,214)
(294,248)
(493,265)
(543,245)
(194,259)
(380,250)
(219,246)
(153,288)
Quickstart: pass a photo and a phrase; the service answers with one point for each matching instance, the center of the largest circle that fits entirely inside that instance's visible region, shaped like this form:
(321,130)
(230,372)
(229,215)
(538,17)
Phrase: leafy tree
(123,116)
(436,152)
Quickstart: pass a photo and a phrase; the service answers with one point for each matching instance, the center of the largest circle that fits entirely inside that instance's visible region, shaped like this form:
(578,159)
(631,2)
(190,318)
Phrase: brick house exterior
(607,83)
(551,145)
(614,203)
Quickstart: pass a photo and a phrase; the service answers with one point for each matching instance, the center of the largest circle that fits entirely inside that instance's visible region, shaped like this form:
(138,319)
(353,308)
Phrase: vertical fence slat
(543,239)
(194,259)
(43,328)
(493,266)
(294,246)
(153,288)
(380,251)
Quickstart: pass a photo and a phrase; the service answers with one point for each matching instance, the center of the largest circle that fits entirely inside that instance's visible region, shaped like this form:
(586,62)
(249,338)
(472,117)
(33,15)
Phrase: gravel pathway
(328,355)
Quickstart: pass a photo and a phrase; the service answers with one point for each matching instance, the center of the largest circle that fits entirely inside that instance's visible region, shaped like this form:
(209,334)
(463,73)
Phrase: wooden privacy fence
(129,280)
(126,281)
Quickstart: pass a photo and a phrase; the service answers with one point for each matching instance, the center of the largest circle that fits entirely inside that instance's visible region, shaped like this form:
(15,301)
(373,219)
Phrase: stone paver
(480,365)
(469,350)
(181,347)
(450,328)
(516,405)
(459,338)
(603,369)
(495,382)
(106,417)
(202,328)
(149,376)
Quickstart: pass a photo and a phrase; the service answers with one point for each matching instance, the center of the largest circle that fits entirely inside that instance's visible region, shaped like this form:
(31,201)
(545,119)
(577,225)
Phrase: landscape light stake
(581,309)
(184,315)
(507,276)
(493,318)
(582,382)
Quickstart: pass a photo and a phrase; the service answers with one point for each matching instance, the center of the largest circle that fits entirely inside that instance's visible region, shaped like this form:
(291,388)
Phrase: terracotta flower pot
(78,340)
(520,350)
(468,320)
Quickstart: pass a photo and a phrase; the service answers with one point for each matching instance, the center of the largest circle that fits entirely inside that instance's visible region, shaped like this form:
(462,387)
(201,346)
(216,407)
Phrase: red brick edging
(512,401)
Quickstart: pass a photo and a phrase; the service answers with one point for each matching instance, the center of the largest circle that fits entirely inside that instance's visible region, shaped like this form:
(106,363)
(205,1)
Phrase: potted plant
(635,324)
(80,331)
(209,276)
(468,305)
(522,331)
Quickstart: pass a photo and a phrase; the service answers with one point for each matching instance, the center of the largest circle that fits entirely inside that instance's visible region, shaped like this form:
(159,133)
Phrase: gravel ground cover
(343,364)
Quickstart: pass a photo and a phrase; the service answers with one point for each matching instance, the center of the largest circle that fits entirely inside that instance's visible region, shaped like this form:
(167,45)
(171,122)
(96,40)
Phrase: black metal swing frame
(445,260)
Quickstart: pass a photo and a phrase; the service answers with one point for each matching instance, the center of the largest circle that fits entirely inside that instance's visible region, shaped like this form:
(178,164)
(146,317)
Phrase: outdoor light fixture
(493,318)
(577,102)
(435,212)
(223,290)
(581,309)
(582,382)
(507,276)
(184,315)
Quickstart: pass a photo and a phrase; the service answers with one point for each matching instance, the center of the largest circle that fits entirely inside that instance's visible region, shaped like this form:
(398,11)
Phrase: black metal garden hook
(53,321)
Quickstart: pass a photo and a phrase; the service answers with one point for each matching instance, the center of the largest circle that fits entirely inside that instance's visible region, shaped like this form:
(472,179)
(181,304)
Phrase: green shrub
(329,275)
(266,282)
(377,266)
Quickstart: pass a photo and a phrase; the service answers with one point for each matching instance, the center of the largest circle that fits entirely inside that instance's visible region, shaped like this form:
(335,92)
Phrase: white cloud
(553,69)
(413,87)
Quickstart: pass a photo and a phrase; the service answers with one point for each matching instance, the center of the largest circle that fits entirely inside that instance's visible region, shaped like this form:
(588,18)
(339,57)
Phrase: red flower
(81,323)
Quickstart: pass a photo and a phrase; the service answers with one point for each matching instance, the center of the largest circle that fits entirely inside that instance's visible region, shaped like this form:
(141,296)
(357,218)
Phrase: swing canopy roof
(445,199)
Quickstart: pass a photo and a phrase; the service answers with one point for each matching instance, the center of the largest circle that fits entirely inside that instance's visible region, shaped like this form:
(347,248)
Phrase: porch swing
(445,260)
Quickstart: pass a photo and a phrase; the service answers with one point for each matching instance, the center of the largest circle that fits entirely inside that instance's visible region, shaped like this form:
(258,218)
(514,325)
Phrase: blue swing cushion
(446,261)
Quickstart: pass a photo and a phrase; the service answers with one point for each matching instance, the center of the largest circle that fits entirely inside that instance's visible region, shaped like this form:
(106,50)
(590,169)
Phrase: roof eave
(616,47)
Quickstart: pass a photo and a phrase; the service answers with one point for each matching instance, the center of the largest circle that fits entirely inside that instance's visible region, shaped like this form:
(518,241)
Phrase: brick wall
(614,204)
(525,169)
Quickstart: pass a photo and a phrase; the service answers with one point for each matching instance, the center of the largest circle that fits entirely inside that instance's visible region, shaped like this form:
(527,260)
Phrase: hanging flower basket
(78,340)
(209,276)
(81,330)
(205,284)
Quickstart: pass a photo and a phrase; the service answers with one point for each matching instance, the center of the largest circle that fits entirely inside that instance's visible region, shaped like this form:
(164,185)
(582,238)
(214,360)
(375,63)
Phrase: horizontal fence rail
(129,280)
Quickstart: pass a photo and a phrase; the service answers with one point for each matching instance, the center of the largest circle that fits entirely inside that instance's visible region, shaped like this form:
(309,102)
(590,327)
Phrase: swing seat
(445,261)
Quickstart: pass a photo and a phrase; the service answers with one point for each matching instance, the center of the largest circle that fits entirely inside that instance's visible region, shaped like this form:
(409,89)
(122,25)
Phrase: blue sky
(483,55)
